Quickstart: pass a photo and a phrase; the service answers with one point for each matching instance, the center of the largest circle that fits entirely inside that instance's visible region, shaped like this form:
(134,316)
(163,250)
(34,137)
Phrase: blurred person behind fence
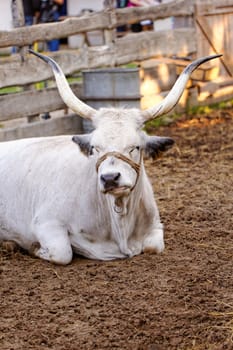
(31,10)
(50,12)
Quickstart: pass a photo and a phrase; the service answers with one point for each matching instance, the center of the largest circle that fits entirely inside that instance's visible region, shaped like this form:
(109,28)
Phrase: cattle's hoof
(127,252)
(150,250)
(154,244)
(135,247)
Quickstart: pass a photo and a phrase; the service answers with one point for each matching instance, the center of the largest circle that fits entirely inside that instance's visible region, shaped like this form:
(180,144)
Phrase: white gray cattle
(88,194)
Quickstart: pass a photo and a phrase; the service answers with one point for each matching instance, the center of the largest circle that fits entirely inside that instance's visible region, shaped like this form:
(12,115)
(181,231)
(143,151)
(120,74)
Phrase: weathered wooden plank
(214,41)
(222,3)
(94,21)
(17,13)
(214,28)
(47,31)
(174,8)
(207,97)
(31,103)
(68,125)
(219,11)
(213,7)
(14,72)
(179,42)
(212,86)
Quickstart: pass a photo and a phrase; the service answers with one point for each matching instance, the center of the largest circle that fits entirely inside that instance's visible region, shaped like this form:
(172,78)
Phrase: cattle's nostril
(116,176)
(110,180)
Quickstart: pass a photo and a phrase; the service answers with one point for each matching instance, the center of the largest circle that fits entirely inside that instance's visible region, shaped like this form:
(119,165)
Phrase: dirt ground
(181,299)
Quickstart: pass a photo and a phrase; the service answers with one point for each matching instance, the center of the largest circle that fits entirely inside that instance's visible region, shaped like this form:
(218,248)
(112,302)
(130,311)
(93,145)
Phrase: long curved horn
(65,91)
(175,93)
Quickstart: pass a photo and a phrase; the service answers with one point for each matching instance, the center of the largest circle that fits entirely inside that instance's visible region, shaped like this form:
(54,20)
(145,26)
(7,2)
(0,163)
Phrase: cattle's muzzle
(111,181)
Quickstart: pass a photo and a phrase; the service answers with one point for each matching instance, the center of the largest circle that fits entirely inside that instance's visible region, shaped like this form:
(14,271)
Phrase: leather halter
(120,156)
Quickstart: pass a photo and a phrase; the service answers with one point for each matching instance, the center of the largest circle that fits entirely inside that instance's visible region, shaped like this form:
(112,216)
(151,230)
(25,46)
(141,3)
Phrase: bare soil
(181,299)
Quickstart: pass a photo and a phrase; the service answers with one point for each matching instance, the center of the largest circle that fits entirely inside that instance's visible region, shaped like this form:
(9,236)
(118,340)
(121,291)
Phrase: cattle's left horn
(72,101)
(174,95)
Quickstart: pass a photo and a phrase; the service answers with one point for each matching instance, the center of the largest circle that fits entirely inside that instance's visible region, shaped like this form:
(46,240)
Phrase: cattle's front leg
(105,250)
(135,246)
(52,243)
(154,242)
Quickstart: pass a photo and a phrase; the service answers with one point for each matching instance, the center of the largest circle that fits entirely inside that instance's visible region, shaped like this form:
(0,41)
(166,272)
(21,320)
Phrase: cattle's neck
(123,218)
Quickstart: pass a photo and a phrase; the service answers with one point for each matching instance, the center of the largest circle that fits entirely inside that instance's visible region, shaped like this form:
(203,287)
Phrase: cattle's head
(117,143)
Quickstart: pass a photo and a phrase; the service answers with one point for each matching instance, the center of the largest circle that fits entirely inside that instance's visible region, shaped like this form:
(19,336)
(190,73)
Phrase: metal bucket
(114,87)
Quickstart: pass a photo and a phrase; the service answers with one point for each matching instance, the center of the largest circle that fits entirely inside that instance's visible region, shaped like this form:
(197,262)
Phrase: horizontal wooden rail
(179,42)
(29,103)
(108,19)
(67,125)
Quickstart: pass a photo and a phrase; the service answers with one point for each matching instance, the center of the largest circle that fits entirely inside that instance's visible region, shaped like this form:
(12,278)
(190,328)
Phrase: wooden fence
(151,50)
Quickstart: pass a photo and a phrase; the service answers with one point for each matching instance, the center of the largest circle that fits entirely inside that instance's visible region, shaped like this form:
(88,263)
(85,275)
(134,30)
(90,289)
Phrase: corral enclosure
(181,299)
(200,28)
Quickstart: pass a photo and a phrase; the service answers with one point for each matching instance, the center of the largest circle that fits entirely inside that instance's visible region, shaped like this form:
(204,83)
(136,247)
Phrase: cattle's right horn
(174,95)
(72,101)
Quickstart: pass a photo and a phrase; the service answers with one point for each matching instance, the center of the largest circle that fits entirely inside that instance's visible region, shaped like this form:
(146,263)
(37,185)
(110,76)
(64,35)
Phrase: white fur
(51,201)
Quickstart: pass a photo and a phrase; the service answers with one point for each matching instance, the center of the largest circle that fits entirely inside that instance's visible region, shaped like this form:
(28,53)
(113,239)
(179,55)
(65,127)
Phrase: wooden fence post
(17,13)
(18,20)
(109,33)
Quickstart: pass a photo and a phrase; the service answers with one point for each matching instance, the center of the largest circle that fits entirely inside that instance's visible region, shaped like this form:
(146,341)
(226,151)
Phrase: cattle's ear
(83,141)
(156,145)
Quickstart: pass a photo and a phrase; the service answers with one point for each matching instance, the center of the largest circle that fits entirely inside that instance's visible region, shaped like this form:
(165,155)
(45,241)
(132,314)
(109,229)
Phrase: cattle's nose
(110,180)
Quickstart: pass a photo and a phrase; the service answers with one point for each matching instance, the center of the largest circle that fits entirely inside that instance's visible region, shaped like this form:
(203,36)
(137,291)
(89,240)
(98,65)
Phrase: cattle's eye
(95,149)
(134,150)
